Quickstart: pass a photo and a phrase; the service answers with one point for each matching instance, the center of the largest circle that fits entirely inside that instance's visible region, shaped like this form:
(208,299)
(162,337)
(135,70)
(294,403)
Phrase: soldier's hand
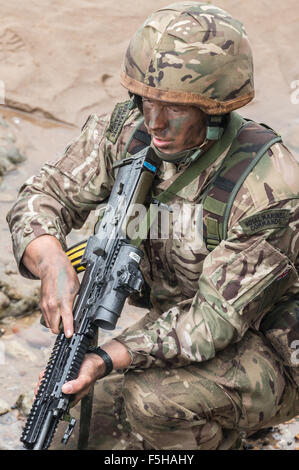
(93,368)
(45,258)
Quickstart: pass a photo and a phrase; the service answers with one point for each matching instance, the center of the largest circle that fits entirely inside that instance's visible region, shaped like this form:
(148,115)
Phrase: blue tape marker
(150,167)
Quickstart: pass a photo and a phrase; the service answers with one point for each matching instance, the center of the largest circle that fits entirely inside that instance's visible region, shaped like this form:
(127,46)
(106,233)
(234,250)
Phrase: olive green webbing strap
(241,180)
(128,143)
(190,173)
(202,163)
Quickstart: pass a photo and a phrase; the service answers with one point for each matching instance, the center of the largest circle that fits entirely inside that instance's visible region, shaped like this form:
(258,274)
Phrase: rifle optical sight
(125,278)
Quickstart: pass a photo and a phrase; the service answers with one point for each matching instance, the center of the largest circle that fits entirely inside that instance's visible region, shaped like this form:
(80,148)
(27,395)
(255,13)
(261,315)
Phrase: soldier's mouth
(161,143)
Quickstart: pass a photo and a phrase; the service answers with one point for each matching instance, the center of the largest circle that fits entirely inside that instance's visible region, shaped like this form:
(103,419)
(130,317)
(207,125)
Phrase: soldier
(213,357)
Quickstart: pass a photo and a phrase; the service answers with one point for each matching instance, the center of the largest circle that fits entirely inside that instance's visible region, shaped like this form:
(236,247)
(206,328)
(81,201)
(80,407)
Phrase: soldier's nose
(157,119)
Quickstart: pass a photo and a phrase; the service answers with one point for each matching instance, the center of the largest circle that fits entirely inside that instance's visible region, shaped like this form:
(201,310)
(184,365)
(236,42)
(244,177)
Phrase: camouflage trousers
(207,405)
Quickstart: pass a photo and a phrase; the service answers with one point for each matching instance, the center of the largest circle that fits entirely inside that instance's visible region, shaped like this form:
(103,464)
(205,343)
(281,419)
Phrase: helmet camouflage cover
(191,53)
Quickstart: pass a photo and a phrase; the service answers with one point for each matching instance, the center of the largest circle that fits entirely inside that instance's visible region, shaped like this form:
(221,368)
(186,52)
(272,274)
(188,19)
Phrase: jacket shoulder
(275,178)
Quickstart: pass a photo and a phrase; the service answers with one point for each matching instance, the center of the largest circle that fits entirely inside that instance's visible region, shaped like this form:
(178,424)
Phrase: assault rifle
(111,274)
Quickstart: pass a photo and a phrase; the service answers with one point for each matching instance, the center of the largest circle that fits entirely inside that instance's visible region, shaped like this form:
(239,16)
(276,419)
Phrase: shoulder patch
(117,120)
(272,218)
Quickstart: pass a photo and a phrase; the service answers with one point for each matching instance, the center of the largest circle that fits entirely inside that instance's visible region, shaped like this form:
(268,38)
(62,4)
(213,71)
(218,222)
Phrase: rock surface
(11,147)
(24,403)
(17,298)
(62,60)
(4,407)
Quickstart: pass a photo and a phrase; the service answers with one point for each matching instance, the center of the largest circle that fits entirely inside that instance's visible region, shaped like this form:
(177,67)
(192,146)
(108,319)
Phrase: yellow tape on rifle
(75,254)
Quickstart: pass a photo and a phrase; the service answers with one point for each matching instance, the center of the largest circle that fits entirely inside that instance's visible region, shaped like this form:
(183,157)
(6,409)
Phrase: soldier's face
(174,127)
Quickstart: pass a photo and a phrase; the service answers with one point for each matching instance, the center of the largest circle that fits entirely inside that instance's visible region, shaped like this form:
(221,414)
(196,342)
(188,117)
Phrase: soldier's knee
(150,402)
(142,401)
(163,422)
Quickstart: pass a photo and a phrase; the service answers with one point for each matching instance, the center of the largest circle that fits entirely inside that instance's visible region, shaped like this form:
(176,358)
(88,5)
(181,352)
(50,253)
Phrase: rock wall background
(62,59)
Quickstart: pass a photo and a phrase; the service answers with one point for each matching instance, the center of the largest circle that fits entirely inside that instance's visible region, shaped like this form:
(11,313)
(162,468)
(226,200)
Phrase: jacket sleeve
(62,195)
(242,279)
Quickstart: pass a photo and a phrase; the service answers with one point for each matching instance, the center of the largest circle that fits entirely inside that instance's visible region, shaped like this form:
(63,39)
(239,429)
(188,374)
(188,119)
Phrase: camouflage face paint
(174,128)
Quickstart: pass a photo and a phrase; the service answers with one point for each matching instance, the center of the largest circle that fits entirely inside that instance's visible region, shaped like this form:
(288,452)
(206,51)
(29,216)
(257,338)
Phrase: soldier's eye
(176,109)
(146,101)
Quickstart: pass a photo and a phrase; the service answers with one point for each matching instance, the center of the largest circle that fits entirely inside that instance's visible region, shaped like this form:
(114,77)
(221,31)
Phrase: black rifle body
(111,274)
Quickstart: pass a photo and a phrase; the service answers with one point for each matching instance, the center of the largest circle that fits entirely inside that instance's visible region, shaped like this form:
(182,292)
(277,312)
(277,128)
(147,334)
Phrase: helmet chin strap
(215,128)
(185,156)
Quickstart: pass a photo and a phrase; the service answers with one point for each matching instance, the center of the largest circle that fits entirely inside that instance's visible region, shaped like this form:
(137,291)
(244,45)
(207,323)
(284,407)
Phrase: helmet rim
(207,105)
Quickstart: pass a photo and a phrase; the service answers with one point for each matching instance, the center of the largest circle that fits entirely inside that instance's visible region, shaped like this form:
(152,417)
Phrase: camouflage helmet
(194,54)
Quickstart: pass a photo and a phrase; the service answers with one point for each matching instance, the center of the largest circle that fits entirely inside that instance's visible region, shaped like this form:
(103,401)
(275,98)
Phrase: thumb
(74,386)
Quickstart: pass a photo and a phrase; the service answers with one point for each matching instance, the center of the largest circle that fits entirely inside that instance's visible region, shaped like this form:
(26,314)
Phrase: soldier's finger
(51,311)
(46,320)
(55,322)
(79,396)
(68,321)
(40,377)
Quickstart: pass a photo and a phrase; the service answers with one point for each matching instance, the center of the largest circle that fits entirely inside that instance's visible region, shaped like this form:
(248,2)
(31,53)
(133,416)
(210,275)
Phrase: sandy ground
(60,61)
